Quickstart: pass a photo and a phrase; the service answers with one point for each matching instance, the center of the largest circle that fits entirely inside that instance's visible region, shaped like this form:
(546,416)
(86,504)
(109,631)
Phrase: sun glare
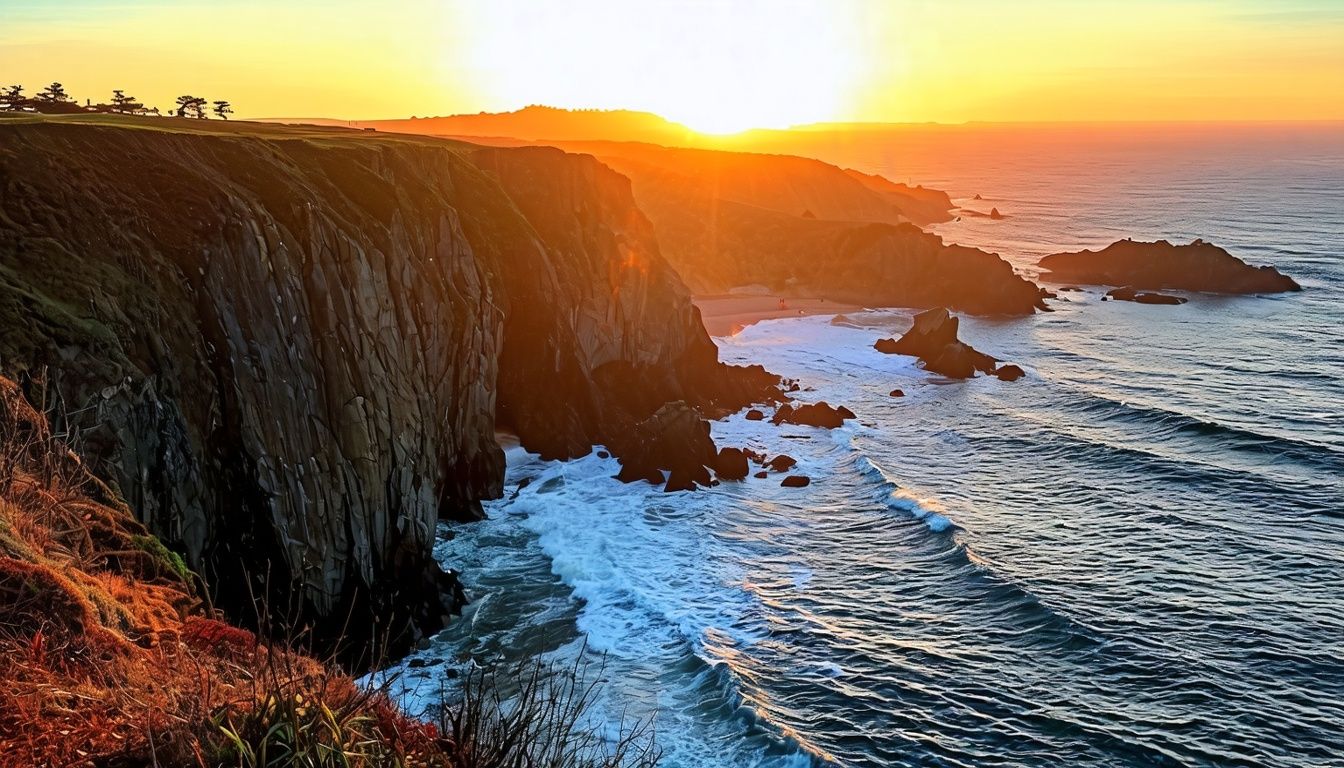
(717,67)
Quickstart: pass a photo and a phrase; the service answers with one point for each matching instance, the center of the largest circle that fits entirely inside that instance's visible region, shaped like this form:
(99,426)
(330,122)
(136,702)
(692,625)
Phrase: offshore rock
(731,464)
(1198,266)
(933,339)
(675,439)
(812,415)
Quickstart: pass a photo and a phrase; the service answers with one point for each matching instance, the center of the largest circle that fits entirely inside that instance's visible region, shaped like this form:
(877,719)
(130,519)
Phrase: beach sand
(726,315)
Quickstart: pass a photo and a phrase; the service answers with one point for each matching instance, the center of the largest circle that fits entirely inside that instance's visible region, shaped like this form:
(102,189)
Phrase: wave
(962,560)
(661,600)
(926,511)
(1169,423)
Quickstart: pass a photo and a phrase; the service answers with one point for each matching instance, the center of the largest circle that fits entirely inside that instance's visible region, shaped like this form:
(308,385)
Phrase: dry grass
(108,656)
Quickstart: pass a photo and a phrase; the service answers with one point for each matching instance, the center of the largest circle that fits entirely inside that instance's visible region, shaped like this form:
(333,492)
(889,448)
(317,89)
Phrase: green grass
(241,128)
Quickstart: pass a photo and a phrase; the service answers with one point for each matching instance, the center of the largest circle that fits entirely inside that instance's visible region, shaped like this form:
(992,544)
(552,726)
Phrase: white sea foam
(668,586)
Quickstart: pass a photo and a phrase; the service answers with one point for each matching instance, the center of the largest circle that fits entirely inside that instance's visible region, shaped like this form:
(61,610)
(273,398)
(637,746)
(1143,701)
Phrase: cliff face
(801,226)
(608,349)
(289,346)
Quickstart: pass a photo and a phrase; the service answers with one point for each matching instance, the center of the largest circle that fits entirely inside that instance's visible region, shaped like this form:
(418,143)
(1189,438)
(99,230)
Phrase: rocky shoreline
(289,351)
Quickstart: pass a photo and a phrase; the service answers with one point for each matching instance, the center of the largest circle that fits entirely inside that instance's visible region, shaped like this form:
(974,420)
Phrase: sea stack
(933,339)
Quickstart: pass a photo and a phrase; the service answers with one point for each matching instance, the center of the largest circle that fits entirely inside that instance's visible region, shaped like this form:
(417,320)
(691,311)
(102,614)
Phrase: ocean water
(1132,557)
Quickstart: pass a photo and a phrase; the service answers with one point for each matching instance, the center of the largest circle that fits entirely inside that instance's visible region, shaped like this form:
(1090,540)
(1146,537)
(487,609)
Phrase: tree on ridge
(12,99)
(195,105)
(123,104)
(223,109)
(54,94)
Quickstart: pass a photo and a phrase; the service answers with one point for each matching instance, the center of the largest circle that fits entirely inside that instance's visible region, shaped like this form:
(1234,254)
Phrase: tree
(54,94)
(191,105)
(12,98)
(223,109)
(125,104)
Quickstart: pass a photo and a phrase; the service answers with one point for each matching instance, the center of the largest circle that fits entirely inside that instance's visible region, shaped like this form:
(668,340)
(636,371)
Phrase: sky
(716,65)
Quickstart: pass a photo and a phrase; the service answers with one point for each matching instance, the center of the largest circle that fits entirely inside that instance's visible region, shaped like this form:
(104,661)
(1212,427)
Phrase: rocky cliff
(291,346)
(797,225)
(803,227)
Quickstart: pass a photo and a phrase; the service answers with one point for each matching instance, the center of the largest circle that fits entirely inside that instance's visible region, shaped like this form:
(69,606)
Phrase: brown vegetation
(108,657)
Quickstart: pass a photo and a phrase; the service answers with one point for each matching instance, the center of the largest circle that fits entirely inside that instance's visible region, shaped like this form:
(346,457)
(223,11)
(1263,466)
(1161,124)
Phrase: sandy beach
(726,315)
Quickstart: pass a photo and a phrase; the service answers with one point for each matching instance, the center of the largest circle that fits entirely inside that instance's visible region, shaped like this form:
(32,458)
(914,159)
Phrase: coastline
(727,315)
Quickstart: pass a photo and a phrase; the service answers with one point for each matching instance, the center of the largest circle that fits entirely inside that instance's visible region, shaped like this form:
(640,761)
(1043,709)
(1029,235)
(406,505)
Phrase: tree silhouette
(12,98)
(193,105)
(125,104)
(223,109)
(54,94)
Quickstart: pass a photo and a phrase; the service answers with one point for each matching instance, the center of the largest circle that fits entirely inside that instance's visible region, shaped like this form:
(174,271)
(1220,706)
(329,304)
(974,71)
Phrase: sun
(717,67)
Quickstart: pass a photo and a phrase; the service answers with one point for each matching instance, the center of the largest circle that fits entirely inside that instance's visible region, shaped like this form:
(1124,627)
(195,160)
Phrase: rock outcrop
(292,346)
(676,439)
(731,464)
(1199,266)
(1129,293)
(812,415)
(933,339)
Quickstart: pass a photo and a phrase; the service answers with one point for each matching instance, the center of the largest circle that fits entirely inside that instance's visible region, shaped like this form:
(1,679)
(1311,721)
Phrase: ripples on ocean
(1135,556)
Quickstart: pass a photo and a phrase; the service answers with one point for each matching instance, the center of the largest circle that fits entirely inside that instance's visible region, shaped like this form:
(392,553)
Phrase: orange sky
(717,65)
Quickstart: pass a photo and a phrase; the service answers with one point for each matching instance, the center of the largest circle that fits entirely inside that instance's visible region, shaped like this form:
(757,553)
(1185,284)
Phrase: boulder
(731,464)
(796,481)
(782,463)
(1122,294)
(933,339)
(1152,297)
(761,475)
(1143,297)
(1009,372)
(897,393)
(932,330)
(887,346)
(681,480)
(676,439)
(632,474)
(603,455)
(755,415)
(812,415)
(994,214)
(959,360)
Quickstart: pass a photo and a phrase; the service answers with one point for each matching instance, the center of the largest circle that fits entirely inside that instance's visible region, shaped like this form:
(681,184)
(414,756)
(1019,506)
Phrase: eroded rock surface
(294,347)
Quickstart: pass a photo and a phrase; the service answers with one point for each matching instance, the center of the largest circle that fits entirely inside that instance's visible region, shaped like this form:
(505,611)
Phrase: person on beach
(782,306)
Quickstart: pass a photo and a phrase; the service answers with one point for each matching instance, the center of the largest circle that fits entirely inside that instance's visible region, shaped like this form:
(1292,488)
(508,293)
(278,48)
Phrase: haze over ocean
(1134,556)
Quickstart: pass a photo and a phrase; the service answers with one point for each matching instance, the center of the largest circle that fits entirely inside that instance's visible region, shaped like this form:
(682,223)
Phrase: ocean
(1134,556)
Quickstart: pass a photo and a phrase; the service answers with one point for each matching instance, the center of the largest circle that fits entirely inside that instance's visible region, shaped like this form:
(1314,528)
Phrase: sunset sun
(721,68)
